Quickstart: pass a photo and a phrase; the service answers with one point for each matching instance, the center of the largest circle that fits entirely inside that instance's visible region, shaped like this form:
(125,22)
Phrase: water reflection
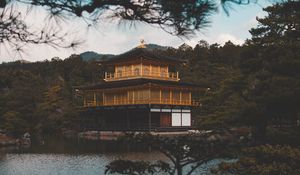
(64,164)
(72,158)
(69,157)
(51,164)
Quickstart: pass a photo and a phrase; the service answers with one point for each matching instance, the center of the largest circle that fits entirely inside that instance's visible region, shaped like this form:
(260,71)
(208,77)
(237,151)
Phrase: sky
(110,38)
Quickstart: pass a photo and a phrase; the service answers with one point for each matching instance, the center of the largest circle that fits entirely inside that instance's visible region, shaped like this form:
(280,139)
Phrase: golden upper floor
(130,71)
(141,63)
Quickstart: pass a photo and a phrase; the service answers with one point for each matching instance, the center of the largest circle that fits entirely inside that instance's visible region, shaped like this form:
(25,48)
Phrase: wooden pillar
(103,98)
(123,72)
(159,71)
(116,73)
(168,74)
(171,94)
(141,71)
(190,99)
(149,97)
(95,99)
(150,70)
(180,97)
(133,97)
(160,96)
(128,97)
(149,118)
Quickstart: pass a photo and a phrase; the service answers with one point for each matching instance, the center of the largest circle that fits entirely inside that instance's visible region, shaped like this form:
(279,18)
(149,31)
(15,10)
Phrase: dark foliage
(38,97)
(183,152)
(264,160)
(136,167)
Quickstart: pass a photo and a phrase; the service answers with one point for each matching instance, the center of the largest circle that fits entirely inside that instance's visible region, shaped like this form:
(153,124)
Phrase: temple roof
(137,82)
(142,53)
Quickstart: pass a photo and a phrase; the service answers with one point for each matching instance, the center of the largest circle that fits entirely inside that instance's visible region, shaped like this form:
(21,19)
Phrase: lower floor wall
(172,117)
(137,119)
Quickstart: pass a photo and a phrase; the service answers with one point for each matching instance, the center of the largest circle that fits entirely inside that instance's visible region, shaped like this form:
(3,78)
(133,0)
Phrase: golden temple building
(142,91)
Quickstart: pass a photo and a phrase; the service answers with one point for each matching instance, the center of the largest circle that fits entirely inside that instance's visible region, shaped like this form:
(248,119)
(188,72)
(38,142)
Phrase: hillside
(92,56)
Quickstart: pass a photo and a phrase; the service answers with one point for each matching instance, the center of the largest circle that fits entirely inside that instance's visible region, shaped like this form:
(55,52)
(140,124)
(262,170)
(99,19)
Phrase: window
(155,70)
(165,119)
(119,73)
(186,119)
(137,71)
(165,96)
(163,72)
(130,96)
(146,71)
(181,119)
(109,98)
(128,71)
(176,119)
(154,110)
(155,96)
(185,98)
(176,97)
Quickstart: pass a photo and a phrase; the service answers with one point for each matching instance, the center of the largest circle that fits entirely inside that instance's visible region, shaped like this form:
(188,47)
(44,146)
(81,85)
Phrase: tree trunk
(179,169)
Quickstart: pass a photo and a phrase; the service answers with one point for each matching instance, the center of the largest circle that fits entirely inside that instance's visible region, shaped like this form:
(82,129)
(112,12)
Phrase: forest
(256,84)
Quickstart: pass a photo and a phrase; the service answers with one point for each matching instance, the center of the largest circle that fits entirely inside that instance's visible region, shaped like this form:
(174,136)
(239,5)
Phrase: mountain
(23,61)
(155,46)
(90,55)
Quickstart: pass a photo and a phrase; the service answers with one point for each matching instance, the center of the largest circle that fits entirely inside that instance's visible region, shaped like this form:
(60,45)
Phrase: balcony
(118,102)
(125,75)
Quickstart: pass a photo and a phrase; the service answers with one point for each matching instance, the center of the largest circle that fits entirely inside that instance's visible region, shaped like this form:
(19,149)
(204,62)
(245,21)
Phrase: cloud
(253,22)
(223,38)
(108,37)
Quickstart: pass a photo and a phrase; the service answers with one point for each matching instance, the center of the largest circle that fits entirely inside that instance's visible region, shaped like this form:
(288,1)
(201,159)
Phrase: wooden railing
(142,101)
(173,76)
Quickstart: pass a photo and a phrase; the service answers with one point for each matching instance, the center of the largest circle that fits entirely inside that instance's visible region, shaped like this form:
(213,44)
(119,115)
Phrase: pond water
(74,159)
(59,164)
